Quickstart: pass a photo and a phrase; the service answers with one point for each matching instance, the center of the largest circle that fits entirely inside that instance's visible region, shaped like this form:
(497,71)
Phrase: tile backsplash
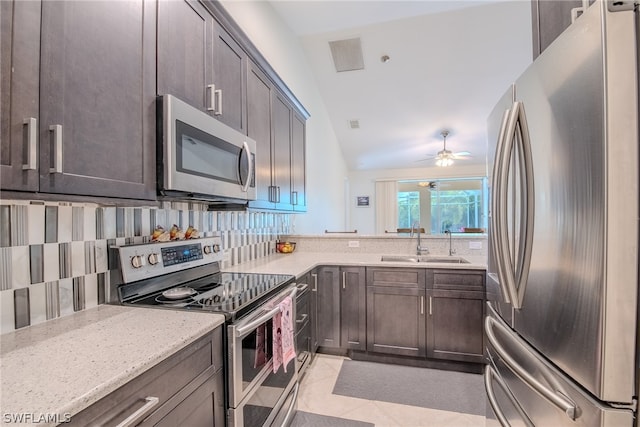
(54,257)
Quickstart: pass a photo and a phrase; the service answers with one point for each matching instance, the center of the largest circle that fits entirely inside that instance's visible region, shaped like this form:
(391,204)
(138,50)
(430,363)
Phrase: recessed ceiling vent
(354,124)
(347,54)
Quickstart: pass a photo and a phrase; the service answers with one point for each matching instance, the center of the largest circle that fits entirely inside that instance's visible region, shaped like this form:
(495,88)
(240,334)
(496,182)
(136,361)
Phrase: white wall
(326,169)
(362,183)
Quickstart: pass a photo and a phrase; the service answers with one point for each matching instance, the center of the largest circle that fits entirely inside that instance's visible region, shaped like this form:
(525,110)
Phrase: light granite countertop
(299,263)
(60,367)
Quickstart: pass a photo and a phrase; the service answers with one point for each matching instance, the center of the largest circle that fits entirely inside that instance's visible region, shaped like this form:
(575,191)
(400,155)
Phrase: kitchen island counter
(53,370)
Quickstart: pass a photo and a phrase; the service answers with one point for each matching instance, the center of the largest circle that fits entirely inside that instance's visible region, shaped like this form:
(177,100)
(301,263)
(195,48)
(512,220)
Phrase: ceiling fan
(446,157)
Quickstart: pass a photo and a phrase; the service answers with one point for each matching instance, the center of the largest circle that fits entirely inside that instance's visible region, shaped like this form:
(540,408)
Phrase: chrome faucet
(419,249)
(451,250)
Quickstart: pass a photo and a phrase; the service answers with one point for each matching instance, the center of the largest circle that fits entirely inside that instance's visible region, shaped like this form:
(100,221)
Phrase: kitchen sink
(424,258)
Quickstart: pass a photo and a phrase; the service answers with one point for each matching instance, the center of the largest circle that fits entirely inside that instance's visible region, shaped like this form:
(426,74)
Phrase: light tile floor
(316,396)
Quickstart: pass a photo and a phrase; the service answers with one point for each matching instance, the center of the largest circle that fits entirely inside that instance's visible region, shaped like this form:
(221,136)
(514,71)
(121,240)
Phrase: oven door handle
(249,327)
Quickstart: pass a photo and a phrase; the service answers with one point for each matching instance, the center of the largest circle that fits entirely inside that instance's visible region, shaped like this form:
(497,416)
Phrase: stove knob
(216,248)
(207,249)
(137,261)
(153,259)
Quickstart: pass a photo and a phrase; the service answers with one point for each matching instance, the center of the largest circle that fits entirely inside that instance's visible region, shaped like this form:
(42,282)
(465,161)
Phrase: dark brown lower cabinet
(353,315)
(455,318)
(396,320)
(187,388)
(341,309)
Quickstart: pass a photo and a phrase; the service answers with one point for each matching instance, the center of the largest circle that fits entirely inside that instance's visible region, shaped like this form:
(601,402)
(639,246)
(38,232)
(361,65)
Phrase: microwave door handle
(245,147)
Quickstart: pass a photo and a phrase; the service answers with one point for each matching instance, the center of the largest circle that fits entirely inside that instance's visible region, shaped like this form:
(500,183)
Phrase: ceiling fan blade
(462,153)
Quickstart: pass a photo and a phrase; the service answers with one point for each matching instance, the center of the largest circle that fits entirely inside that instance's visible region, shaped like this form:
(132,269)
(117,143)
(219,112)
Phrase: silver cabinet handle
(302,319)
(294,197)
(212,98)
(140,413)
(245,147)
(344,280)
(430,306)
(278,194)
(32,140)
(421,305)
(554,396)
(218,111)
(315,284)
(215,100)
(57,148)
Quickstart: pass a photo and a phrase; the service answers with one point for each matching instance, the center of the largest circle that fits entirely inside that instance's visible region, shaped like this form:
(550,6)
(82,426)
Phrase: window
(443,204)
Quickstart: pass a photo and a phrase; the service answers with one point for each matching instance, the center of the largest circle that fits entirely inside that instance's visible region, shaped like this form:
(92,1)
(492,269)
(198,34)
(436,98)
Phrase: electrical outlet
(475,245)
(354,243)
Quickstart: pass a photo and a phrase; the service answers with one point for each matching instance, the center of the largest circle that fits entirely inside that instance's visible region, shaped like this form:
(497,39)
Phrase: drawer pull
(140,413)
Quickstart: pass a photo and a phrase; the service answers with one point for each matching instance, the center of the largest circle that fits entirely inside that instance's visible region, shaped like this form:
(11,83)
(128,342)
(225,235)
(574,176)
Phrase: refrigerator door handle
(497,249)
(516,271)
(506,269)
(490,375)
(554,396)
(526,229)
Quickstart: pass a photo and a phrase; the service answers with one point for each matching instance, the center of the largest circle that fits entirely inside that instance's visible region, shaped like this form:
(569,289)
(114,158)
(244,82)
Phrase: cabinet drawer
(463,280)
(404,277)
(196,361)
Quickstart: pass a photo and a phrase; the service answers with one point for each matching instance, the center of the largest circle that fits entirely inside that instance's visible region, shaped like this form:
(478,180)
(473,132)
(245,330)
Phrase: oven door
(202,155)
(250,354)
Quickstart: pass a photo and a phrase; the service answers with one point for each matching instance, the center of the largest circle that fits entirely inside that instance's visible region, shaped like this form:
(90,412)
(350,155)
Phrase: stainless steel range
(185,275)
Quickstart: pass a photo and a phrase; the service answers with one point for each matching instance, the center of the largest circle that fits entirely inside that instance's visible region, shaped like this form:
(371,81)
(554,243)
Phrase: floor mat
(428,388)
(307,419)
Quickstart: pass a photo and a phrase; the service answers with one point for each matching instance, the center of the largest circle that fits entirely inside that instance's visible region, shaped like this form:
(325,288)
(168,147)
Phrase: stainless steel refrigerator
(562,278)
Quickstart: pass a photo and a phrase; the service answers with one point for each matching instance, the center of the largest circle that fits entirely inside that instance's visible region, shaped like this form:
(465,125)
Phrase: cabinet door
(455,325)
(281,153)
(19,101)
(549,20)
(298,165)
(353,318)
(185,49)
(97,98)
(396,320)
(229,79)
(328,300)
(259,129)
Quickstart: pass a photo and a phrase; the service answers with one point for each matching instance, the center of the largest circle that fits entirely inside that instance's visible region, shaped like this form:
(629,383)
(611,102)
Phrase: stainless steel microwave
(202,158)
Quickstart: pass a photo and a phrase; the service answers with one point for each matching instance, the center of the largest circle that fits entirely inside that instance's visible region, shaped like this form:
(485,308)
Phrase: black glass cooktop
(231,294)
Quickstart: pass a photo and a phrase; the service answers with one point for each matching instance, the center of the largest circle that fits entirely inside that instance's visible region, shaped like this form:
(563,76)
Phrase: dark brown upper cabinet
(80,93)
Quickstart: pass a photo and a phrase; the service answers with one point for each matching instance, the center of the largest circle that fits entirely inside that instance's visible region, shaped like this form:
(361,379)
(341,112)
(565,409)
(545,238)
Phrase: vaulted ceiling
(448,63)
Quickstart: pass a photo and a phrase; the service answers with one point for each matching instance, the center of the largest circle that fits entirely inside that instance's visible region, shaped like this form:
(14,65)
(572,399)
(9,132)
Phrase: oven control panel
(147,260)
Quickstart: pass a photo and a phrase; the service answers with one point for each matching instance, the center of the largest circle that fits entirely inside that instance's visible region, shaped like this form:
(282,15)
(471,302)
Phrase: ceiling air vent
(354,124)
(347,54)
